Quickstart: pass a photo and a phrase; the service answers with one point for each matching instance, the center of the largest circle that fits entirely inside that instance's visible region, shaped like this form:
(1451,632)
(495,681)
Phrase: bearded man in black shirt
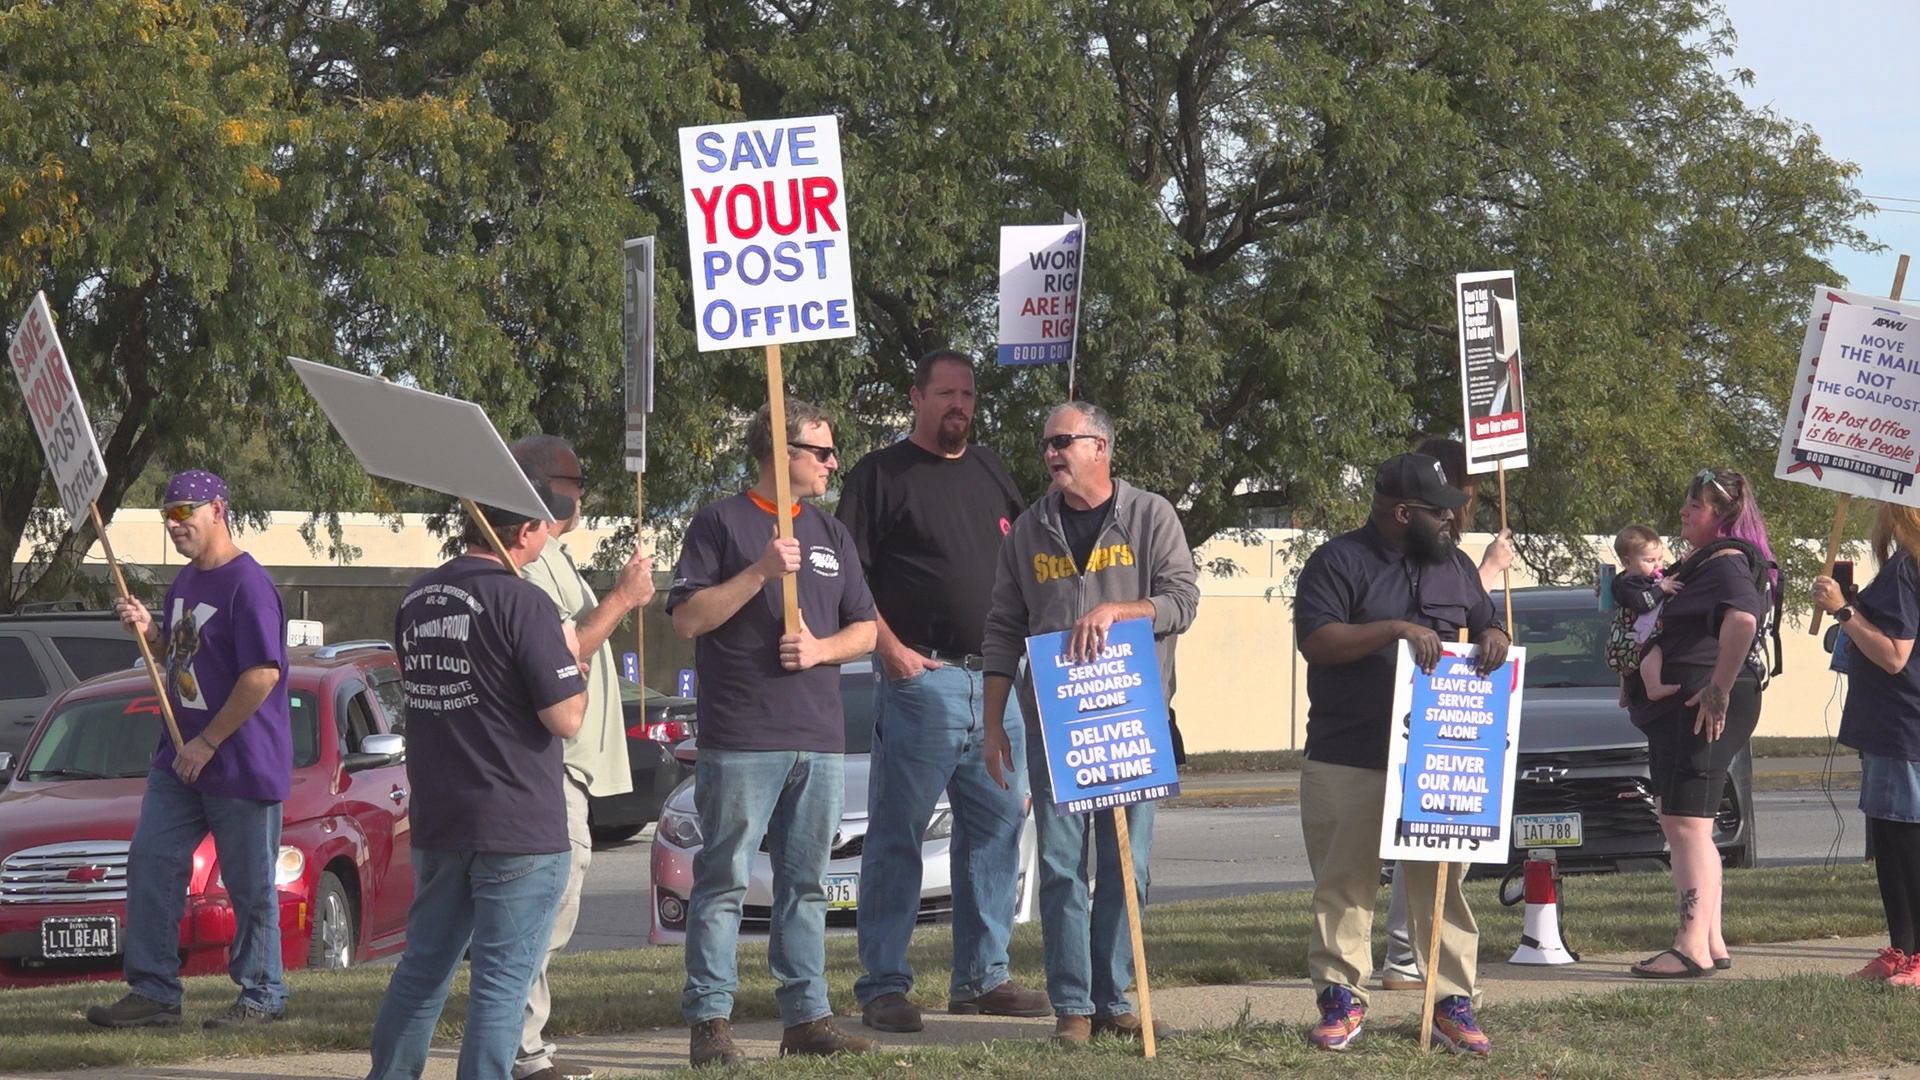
(928,515)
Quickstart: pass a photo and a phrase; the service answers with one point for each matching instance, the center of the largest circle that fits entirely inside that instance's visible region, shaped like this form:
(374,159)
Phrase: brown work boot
(820,1038)
(1127,1026)
(712,1044)
(891,1012)
(1007,999)
(1072,1031)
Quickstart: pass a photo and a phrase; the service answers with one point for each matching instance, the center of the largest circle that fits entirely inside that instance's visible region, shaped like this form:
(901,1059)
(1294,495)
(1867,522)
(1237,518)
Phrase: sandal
(1722,963)
(1689,969)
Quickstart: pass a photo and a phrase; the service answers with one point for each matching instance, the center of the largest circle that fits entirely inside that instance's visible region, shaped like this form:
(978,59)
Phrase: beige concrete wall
(1242,684)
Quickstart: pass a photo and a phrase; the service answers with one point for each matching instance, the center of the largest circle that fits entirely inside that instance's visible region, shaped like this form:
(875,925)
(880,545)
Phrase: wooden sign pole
(782,482)
(1506,578)
(1840,514)
(1443,872)
(493,538)
(1121,837)
(146,651)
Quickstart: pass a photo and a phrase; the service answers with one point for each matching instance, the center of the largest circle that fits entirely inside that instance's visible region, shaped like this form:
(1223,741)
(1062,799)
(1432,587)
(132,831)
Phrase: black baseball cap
(1417,477)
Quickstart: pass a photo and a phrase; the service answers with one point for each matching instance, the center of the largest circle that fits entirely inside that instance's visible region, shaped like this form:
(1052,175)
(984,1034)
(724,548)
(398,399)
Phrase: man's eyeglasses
(1436,511)
(1705,477)
(1061,442)
(182,511)
(823,453)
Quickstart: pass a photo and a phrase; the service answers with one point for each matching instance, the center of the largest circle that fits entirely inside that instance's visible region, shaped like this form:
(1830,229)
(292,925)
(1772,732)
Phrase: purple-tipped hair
(1728,494)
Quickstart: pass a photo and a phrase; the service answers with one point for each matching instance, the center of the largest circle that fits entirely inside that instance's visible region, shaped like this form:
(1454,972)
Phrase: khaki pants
(536,1053)
(1340,820)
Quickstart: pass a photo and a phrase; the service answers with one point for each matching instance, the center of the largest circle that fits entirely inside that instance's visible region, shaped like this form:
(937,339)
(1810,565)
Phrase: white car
(677,837)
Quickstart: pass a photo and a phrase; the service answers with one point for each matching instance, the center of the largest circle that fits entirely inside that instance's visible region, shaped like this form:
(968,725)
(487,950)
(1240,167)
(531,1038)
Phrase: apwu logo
(1892,324)
(824,561)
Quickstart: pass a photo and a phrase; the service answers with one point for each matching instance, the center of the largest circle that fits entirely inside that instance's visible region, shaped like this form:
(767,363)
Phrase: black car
(1580,755)
(656,772)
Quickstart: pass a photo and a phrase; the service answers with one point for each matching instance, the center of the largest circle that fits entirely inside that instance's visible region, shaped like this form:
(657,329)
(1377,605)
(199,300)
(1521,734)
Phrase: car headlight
(679,828)
(287,869)
(940,827)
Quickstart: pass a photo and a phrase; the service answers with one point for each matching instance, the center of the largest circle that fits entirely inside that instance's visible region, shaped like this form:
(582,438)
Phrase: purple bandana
(194,485)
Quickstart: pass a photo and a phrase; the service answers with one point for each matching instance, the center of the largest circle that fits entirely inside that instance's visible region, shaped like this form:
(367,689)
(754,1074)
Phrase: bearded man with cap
(223,640)
(1397,578)
(493,689)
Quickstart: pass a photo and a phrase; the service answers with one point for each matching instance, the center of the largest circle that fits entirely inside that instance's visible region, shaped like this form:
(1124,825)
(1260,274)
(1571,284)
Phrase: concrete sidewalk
(1279,787)
(1281,1001)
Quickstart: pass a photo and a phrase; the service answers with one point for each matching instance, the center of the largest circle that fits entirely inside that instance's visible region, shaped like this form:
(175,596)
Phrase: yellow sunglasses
(183,511)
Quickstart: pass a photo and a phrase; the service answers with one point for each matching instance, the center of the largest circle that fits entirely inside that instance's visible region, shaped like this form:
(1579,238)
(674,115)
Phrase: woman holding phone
(1881,720)
(1706,635)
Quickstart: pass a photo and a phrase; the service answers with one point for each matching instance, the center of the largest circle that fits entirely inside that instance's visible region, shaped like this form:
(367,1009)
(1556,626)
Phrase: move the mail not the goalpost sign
(1104,722)
(59,416)
(1853,421)
(1450,762)
(767,228)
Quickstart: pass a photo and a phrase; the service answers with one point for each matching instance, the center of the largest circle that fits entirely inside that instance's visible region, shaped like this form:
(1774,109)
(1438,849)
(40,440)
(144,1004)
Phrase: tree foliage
(1279,193)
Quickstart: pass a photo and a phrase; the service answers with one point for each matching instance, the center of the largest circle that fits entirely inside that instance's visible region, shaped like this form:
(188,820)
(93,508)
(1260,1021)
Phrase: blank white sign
(419,437)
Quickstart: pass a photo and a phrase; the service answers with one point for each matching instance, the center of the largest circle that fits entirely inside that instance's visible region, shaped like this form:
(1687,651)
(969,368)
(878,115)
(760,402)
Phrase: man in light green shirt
(596,758)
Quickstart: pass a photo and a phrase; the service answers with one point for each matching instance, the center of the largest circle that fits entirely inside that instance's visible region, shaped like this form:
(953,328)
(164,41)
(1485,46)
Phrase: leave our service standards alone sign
(1104,721)
(1450,763)
(767,228)
(1853,424)
(59,416)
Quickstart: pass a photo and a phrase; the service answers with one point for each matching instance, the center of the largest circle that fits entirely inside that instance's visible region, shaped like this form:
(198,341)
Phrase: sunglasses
(823,453)
(1428,507)
(183,511)
(1705,476)
(1061,442)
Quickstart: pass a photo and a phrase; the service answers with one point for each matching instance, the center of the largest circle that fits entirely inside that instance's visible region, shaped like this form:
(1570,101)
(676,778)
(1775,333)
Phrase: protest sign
(73,454)
(767,228)
(1815,463)
(638,329)
(59,416)
(418,437)
(1040,270)
(1852,421)
(1450,764)
(1104,723)
(1491,388)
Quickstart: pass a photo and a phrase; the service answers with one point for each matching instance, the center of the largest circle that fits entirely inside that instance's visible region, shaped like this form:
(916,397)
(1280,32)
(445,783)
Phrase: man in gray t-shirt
(771,737)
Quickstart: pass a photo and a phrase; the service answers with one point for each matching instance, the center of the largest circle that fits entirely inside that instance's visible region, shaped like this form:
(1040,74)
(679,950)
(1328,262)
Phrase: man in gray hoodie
(1093,551)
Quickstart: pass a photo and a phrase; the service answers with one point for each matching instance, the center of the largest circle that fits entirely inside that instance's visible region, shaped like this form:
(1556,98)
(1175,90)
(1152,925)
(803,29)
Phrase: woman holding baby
(1705,635)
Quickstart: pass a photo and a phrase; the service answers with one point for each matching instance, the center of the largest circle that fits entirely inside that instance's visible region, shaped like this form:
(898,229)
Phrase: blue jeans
(793,800)
(929,736)
(497,909)
(246,838)
(1089,965)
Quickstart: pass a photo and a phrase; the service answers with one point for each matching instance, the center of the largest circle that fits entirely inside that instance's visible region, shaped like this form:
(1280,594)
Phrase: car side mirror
(6,762)
(376,752)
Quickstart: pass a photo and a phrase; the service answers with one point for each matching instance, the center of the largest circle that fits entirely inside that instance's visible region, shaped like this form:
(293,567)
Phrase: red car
(345,874)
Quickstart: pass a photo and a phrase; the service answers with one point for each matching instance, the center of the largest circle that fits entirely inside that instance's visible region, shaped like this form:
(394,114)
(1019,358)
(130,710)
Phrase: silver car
(677,838)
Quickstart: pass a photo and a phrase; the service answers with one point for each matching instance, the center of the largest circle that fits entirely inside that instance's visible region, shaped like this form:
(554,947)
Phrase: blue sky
(1846,68)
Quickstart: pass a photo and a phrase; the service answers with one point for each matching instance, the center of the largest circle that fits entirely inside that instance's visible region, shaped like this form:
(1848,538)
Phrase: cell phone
(1843,577)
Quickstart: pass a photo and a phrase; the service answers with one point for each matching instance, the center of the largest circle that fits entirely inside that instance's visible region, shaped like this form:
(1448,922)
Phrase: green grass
(1240,939)
(1803,1024)
(1231,761)
(1779,747)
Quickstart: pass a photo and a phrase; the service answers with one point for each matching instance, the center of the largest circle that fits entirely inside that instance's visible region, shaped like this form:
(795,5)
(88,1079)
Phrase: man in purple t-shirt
(222,642)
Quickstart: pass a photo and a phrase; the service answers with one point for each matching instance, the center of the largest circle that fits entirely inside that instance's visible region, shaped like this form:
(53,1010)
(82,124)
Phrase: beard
(954,429)
(1429,543)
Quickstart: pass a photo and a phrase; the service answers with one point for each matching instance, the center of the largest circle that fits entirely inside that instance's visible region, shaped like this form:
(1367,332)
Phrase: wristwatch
(1845,614)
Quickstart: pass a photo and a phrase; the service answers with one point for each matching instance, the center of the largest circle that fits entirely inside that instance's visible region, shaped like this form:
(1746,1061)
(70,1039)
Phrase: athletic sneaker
(1909,973)
(1341,1018)
(1882,967)
(1453,1027)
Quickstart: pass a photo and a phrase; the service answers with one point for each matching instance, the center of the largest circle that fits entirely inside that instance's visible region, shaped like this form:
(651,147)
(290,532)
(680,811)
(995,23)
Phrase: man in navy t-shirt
(772,733)
(492,688)
(222,644)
